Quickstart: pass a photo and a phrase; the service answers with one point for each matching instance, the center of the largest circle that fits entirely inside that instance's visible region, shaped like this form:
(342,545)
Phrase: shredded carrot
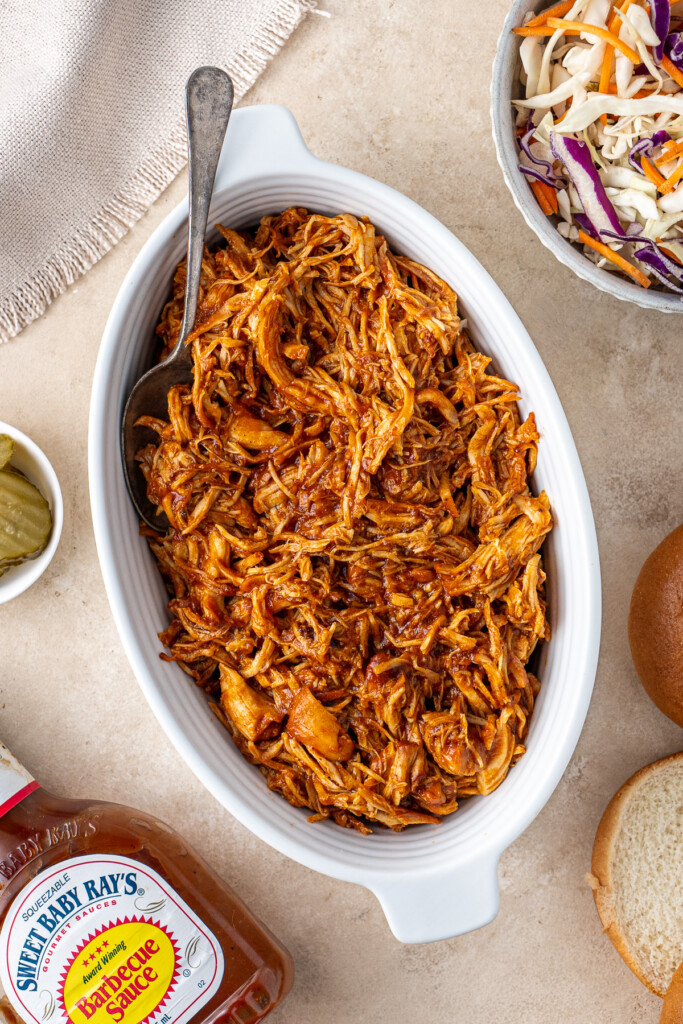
(550,194)
(651,173)
(668,251)
(671,150)
(672,70)
(562,116)
(576,27)
(670,183)
(534,30)
(613,91)
(539,190)
(615,19)
(615,258)
(557,11)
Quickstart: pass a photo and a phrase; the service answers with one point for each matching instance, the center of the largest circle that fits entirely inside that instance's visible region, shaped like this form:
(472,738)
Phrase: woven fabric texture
(92,127)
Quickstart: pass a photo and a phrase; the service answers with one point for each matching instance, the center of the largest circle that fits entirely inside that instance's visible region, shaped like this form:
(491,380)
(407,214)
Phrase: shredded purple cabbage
(660,17)
(532,172)
(630,235)
(585,225)
(525,145)
(652,255)
(599,218)
(549,177)
(673,47)
(646,147)
(660,265)
(576,157)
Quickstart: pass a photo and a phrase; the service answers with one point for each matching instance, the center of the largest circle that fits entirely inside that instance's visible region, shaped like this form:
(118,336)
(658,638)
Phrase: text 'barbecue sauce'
(107,917)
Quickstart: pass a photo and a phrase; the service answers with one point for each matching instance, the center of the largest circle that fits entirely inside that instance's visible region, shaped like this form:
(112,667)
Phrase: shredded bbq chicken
(353,551)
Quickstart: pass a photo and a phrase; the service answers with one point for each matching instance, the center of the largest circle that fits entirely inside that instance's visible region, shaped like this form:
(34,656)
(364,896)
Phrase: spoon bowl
(209,98)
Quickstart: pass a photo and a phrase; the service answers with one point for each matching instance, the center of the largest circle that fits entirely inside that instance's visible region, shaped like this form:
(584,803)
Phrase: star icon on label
(105,944)
(92,957)
(85,962)
(98,950)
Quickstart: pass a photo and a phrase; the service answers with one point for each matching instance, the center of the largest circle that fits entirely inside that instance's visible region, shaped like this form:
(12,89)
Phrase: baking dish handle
(261,139)
(441,904)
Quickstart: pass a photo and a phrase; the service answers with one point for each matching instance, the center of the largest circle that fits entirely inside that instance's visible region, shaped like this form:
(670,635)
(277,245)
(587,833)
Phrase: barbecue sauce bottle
(107,917)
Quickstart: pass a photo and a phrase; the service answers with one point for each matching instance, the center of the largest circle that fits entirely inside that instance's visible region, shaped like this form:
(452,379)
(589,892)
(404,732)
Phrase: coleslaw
(600,131)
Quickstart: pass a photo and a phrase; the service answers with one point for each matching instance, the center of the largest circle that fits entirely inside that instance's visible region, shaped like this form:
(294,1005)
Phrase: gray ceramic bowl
(505,87)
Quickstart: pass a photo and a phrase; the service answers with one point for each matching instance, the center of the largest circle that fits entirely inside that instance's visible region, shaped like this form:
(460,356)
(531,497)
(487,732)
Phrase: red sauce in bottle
(108,917)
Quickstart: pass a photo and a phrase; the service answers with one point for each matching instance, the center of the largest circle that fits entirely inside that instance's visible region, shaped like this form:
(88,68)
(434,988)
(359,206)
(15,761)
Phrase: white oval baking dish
(433,881)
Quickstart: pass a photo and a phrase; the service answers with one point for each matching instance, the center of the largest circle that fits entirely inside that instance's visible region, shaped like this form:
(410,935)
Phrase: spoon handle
(209,96)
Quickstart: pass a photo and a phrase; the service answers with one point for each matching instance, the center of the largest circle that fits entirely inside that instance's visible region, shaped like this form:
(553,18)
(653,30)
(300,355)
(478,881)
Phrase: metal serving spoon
(209,96)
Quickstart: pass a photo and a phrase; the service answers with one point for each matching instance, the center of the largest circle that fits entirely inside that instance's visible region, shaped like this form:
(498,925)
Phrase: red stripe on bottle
(17,797)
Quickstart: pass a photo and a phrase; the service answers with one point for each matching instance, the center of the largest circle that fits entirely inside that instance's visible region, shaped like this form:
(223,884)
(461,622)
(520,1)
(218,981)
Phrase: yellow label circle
(121,975)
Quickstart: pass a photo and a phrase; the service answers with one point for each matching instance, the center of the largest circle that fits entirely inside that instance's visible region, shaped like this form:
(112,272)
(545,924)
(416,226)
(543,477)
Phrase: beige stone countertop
(397,89)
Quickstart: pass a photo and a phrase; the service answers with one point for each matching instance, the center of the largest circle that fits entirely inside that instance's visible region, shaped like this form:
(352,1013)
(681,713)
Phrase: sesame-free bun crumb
(637,872)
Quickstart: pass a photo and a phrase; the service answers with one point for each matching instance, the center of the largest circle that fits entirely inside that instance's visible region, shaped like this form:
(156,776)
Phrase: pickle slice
(25,519)
(6,449)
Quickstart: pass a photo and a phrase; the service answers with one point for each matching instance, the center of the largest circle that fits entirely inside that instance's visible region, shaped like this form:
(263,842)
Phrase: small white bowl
(505,87)
(35,465)
(433,882)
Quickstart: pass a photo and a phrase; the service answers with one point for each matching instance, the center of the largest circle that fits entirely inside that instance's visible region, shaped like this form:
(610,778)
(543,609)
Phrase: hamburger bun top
(655,625)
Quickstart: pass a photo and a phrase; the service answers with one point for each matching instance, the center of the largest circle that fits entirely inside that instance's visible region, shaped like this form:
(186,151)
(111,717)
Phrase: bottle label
(106,940)
(15,781)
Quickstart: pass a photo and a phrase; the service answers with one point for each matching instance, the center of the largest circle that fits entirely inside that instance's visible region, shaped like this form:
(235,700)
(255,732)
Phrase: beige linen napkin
(92,122)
